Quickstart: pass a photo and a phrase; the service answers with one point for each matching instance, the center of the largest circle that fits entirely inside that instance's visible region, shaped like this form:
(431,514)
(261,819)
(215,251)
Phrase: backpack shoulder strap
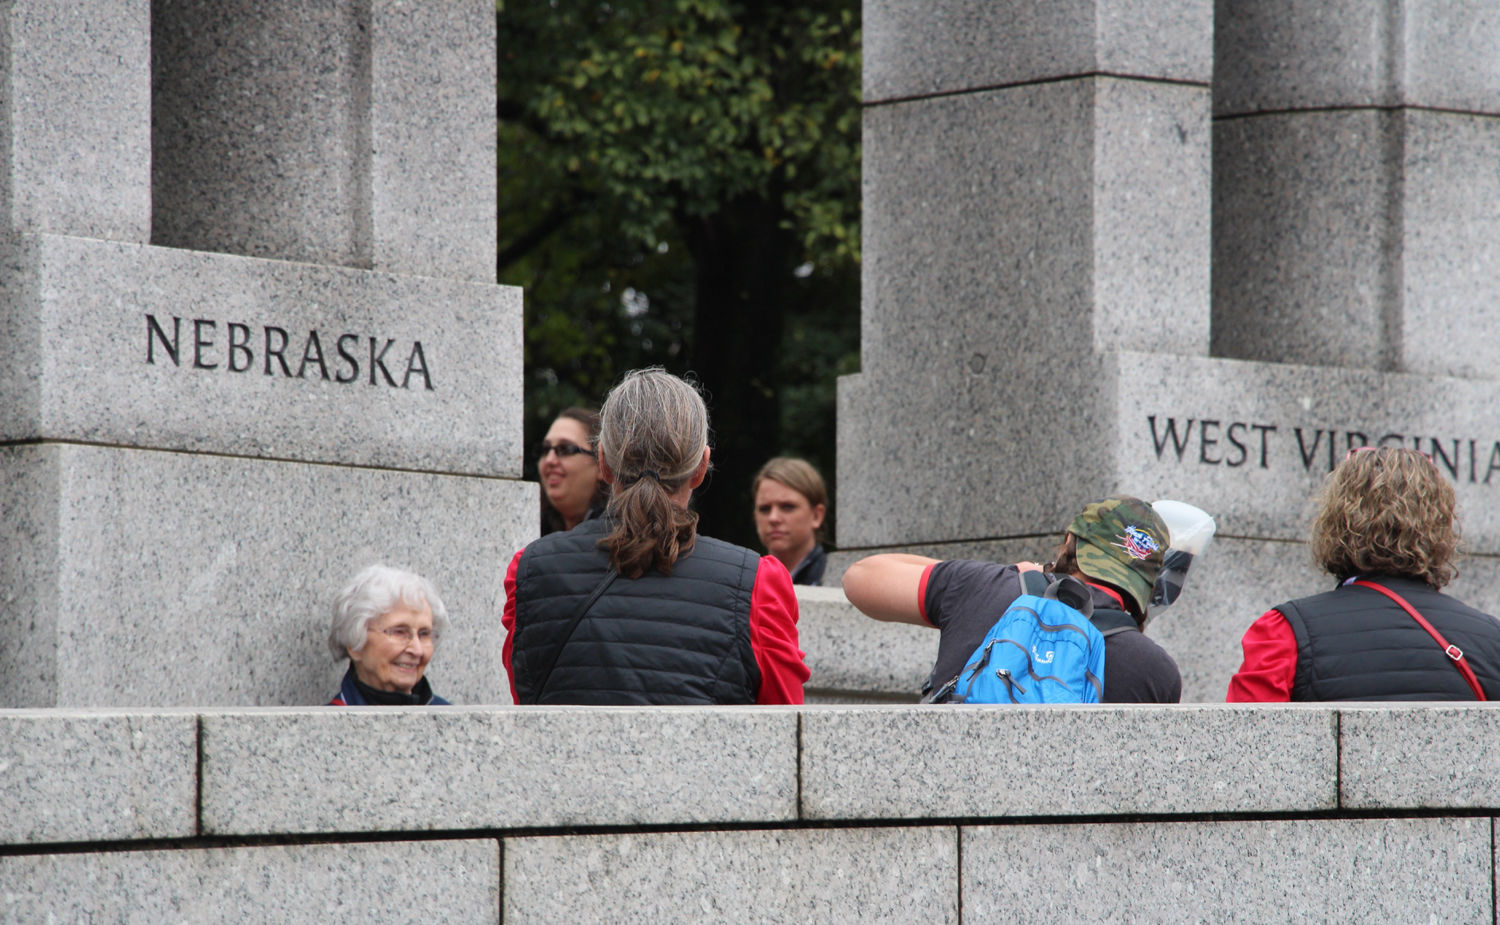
(1031,582)
(1112,622)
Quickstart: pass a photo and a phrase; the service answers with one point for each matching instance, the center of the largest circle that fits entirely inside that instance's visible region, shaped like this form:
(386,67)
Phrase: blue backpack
(1043,649)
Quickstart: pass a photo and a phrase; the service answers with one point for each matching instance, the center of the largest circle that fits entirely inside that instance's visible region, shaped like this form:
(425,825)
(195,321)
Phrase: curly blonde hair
(1386,511)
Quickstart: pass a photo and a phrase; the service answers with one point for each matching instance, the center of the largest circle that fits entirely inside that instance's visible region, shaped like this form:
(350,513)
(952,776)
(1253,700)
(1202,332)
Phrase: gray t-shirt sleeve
(964,598)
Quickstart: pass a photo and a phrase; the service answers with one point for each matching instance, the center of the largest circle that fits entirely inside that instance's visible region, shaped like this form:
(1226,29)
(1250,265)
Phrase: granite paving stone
(1009,761)
(425,769)
(78,776)
(1312,870)
(819,875)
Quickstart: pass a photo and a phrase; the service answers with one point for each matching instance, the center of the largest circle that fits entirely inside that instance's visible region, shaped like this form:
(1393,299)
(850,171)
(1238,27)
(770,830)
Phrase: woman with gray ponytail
(635,607)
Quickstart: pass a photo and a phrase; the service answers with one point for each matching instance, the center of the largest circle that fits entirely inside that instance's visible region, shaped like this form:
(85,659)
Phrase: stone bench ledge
(95,775)
(974,762)
(70,776)
(361,769)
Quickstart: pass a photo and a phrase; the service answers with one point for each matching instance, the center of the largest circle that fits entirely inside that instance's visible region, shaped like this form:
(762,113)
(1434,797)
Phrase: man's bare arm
(886,587)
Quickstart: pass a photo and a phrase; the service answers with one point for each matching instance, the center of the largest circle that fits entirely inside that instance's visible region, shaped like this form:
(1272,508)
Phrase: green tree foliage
(679,185)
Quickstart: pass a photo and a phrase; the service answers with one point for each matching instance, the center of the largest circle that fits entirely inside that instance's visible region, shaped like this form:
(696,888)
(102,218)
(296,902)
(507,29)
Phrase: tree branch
(532,238)
(512,111)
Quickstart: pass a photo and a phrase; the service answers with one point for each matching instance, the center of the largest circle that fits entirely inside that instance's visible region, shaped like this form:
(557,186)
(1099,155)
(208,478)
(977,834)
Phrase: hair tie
(643,474)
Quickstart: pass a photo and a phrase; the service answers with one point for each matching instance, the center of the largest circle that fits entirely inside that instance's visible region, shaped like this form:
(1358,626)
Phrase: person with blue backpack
(1067,632)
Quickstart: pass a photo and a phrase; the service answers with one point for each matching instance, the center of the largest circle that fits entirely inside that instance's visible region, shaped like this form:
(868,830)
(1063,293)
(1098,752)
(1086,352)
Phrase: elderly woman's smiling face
(398,646)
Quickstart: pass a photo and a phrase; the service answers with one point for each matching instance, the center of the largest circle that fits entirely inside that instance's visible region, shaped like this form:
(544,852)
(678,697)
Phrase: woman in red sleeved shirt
(1386,529)
(635,607)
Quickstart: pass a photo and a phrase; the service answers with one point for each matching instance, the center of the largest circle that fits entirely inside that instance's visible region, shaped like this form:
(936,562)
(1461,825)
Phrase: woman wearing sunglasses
(635,607)
(568,467)
(1386,529)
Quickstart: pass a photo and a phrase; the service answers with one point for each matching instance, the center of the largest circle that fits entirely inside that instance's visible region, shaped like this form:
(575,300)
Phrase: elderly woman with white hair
(387,623)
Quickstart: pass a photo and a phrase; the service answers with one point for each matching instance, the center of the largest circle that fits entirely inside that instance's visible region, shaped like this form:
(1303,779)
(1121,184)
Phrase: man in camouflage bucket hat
(1121,541)
(1115,547)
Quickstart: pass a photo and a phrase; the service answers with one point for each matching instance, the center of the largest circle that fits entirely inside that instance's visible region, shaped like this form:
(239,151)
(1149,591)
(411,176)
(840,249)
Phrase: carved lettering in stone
(239,348)
(235,353)
(1243,446)
(1216,442)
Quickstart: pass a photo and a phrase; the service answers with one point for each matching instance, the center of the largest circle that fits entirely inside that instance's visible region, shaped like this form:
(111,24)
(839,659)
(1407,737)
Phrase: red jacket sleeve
(773,635)
(508,621)
(1270,664)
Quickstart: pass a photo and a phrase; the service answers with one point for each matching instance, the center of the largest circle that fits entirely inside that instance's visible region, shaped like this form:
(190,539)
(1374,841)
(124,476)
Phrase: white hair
(375,591)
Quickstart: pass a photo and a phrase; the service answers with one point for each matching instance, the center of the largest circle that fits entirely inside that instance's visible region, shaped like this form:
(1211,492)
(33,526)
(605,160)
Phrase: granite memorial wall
(251,342)
(1179,250)
(251,338)
(1186,813)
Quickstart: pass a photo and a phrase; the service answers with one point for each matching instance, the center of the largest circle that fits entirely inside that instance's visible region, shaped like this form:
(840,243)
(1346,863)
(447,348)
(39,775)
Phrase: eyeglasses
(563,450)
(405,634)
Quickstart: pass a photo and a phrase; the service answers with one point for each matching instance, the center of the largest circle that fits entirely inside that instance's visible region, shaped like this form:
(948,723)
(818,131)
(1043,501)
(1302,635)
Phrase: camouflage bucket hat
(1122,541)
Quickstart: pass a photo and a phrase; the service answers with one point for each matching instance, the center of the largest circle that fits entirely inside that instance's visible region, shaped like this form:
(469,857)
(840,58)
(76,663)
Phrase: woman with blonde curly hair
(635,607)
(1386,529)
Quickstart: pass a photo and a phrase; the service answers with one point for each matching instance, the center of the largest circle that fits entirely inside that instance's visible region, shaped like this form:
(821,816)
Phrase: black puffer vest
(1354,643)
(682,638)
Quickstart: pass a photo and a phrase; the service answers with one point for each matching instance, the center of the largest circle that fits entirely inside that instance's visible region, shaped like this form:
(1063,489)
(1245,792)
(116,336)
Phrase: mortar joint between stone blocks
(1035,82)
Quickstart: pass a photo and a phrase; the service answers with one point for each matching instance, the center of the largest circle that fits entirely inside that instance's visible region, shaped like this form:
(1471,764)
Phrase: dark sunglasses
(564,450)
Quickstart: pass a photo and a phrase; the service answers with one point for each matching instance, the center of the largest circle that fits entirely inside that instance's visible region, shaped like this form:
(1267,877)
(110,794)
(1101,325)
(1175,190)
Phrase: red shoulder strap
(1453,652)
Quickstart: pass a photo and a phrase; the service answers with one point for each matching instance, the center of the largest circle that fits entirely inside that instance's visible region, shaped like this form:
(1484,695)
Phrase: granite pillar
(351,132)
(1039,327)
(75,118)
(1035,194)
(1355,182)
(250,342)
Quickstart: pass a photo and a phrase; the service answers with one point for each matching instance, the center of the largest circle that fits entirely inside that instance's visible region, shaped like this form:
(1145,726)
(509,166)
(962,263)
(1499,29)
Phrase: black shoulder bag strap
(588,602)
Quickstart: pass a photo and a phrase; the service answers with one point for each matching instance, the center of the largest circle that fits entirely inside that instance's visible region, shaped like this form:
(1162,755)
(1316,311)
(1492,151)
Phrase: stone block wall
(250,342)
(1354,146)
(1193,250)
(1364,813)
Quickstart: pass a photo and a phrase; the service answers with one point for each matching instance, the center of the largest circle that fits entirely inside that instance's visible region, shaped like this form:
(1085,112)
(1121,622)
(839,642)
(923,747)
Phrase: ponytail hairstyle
(653,430)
